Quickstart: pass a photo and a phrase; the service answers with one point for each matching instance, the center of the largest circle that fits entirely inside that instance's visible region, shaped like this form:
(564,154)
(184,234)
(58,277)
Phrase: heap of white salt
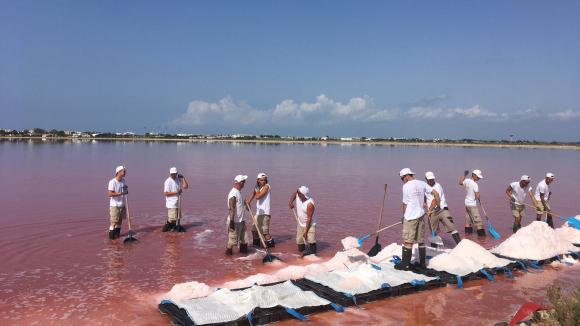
(467,257)
(349,243)
(536,241)
(395,249)
(189,290)
(569,233)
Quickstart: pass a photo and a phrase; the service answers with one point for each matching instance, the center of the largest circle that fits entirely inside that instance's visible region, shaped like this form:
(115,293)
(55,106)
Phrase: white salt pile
(536,241)
(569,233)
(189,290)
(342,260)
(394,249)
(467,257)
(349,243)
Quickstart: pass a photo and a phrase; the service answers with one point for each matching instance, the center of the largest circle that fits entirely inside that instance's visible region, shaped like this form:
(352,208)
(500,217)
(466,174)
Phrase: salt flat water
(58,266)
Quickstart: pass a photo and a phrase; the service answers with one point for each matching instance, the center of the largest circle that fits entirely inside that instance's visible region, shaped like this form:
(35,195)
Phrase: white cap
(478,173)
(304,190)
(550,175)
(525,178)
(173,170)
(262,175)
(405,171)
(239,178)
(429,176)
(119,169)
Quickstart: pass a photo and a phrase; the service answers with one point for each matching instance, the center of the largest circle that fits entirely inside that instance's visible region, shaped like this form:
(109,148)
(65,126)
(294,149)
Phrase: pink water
(58,267)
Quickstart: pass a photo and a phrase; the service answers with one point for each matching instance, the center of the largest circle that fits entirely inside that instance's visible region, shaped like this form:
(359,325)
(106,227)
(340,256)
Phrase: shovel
(269,257)
(572,221)
(129,237)
(377,246)
(308,252)
(178,227)
(368,236)
(490,227)
(434,239)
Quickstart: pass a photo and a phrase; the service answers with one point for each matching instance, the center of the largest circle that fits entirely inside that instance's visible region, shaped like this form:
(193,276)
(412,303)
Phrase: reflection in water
(171,260)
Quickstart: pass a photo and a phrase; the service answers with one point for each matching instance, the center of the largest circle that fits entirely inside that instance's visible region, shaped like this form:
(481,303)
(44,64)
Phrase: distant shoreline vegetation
(63,135)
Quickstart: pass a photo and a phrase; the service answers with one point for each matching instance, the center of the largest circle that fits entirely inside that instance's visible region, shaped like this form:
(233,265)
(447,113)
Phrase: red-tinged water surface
(58,266)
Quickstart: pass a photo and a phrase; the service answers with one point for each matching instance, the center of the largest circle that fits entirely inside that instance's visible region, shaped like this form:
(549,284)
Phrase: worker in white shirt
(542,196)
(306,228)
(172,188)
(516,193)
(414,192)
(472,196)
(235,222)
(441,211)
(262,194)
(117,190)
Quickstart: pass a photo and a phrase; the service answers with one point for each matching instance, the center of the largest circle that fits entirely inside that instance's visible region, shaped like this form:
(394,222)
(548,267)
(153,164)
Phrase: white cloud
(327,111)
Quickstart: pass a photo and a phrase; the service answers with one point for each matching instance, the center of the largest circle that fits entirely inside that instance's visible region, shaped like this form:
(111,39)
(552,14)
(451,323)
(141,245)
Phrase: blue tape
(250,318)
(459,282)
(522,264)
(377,267)
(396,260)
(296,314)
(487,274)
(508,272)
(337,307)
(535,264)
(574,254)
(417,282)
(362,239)
(385,286)
(167,302)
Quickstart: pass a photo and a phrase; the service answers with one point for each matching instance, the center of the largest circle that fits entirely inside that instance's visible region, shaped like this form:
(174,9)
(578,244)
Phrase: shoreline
(300,142)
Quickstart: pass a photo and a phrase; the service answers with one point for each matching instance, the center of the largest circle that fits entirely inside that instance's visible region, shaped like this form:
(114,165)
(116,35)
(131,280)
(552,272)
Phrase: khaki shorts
(117,214)
(540,208)
(310,237)
(263,225)
(238,234)
(172,214)
(472,216)
(414,230)
(518,211)
(444,217)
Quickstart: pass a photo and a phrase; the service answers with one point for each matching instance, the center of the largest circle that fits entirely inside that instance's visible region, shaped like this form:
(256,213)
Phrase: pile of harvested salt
(349,243)
(467,257)
(189,290)
(394,249)
(536,241)
(569,233)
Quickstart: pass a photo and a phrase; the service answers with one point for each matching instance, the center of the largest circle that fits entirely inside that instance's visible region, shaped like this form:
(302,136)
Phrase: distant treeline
(53,133)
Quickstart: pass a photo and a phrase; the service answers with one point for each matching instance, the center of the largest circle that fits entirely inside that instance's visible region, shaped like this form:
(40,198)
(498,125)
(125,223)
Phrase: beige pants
(238,234)
(311,236)
(472,216)
(172,214)
(263,225)
(117,214)
(414,230)
(540,208)
(444,217)
(518,211)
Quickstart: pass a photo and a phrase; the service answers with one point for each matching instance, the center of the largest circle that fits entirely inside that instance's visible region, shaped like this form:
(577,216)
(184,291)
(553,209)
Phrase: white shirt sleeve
(166,186)
(475,187)
(111,185)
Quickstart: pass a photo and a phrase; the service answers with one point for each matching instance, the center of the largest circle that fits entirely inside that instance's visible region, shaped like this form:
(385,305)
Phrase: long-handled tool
(130,237)
(368,236)
(490,227)
(308,252)
(434,239)
(572,221)
(376,248)
(178,227)
(269,257)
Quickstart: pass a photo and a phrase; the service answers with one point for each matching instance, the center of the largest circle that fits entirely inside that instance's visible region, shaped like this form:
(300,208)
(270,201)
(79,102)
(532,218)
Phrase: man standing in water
(306,228)
(172,189)
(236,224)
(516,194)
(117,210)
(542,199)
(441,211)
(414,192)
(472,196)
(262,194)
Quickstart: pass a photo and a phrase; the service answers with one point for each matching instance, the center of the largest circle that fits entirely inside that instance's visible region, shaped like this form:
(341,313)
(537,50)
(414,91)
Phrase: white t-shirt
(302,211)
(471,187)
(171,185)
(542,188)
(414,196)
(239,204)
(442,202)
(263,204)
(519,193)
(117,186)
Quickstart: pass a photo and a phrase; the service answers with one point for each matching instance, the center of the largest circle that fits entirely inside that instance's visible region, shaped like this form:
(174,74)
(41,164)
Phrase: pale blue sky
(460,69)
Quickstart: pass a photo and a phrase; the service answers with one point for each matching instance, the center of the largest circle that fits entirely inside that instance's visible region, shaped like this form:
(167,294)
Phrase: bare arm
(436,200)
(251,197)
(509,192)
(232,211)
(532,198)
(114,194)
(543,199)
(292,199)
(261,193)
(184,183)
(461,179)
(478,197)
(309,214)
